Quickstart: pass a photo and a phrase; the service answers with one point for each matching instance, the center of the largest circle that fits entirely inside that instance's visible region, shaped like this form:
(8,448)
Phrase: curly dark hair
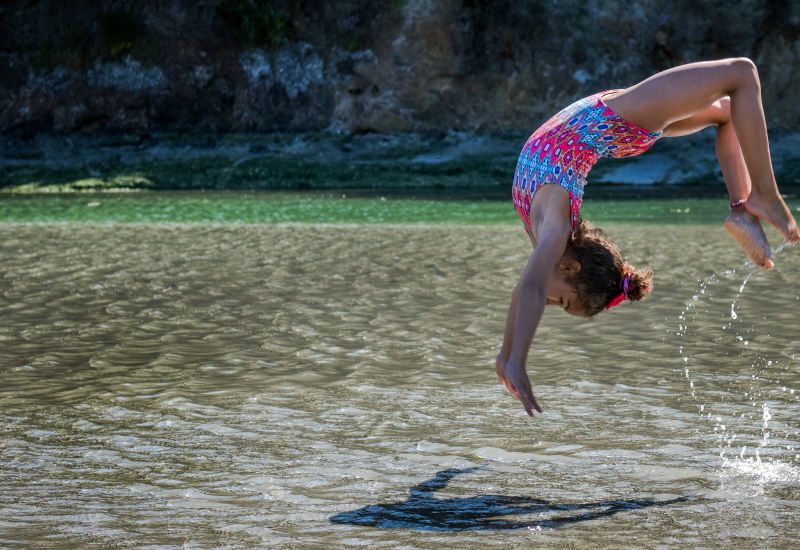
(600,278)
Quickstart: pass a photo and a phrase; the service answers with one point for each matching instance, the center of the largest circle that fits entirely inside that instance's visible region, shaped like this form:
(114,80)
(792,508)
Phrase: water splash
(734,426)
(741,289)
(685,317)
(762,472)
(751,270)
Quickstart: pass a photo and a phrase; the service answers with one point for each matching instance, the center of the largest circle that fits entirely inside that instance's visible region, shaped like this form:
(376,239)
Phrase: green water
(330,207)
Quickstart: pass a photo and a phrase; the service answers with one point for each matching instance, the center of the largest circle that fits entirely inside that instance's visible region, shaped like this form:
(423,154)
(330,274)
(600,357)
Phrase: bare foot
(746,229)
(776,213)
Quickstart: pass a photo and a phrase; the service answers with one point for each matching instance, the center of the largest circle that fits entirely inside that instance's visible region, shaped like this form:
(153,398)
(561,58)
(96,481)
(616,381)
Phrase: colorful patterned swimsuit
(565,148)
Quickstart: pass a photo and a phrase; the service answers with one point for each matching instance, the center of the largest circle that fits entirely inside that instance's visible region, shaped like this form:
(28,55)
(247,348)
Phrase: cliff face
(360,66)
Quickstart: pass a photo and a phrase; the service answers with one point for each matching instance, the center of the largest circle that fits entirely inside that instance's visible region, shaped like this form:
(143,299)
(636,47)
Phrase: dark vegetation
(261,23)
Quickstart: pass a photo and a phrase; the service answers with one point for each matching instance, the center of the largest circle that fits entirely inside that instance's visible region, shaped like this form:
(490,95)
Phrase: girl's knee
(744,71)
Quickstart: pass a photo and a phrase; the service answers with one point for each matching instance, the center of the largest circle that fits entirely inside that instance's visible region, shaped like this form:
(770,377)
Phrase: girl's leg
(744,227)
(729,152)
(730,156)
(682,92)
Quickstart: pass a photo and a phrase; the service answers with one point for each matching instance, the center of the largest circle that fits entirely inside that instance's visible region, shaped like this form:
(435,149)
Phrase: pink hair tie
(619,298)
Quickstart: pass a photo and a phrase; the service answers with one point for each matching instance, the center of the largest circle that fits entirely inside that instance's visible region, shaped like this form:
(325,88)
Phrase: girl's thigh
(681,92)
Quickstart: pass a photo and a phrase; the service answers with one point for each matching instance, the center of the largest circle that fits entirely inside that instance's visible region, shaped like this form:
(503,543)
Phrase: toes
(765,264)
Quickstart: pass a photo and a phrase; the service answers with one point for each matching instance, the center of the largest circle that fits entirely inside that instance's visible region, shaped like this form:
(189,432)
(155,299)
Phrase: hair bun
(639,284)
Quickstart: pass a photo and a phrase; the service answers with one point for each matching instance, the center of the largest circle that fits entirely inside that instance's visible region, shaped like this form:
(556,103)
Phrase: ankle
(763,198)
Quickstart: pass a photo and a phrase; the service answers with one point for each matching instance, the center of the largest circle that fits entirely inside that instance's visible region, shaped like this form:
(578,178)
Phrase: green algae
(328,208)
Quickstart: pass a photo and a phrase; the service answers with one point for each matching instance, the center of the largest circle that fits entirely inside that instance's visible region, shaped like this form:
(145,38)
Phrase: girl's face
(563,294)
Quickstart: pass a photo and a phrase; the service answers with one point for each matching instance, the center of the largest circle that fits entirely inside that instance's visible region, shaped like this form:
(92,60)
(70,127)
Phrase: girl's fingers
(528,408)
(532,400)
(528,404)
(525,396)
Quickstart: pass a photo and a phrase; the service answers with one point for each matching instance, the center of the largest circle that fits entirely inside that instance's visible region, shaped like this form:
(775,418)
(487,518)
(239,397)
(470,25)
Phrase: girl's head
(599,276)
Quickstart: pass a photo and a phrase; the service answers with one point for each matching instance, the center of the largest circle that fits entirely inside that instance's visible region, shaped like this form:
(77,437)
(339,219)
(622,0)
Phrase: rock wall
(359,66)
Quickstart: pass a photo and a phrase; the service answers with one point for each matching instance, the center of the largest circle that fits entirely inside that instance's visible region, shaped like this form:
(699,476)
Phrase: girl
(573,264)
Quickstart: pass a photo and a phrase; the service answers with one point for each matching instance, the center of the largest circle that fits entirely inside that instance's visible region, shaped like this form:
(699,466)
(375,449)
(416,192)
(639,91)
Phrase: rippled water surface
(333,386)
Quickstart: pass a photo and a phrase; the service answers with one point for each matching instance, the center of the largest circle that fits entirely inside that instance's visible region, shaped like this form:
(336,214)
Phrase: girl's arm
(531,297)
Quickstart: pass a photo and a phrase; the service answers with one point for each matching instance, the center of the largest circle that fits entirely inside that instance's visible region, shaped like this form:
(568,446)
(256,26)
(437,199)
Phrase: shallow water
(333,386)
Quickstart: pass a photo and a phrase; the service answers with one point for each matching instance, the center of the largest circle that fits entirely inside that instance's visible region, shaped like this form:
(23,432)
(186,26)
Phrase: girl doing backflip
(573,264)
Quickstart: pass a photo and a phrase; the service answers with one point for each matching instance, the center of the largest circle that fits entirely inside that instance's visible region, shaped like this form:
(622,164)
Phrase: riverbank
(454,163)
(334,179)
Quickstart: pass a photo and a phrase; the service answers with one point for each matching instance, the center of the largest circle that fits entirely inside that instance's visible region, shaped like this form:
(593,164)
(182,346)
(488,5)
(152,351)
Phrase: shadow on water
(423,511)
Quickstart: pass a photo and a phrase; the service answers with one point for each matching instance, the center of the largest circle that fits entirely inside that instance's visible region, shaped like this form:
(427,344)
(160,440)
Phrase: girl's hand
(515,378)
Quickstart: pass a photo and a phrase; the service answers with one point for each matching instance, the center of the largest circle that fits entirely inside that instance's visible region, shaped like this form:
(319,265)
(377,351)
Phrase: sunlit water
(333,386)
